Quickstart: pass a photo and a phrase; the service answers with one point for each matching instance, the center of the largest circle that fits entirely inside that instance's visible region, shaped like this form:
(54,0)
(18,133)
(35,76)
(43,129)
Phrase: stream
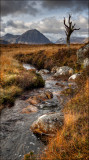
(16,137)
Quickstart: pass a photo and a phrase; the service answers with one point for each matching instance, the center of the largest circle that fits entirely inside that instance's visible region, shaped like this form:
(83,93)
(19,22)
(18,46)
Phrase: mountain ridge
(73,40)
(29,37)
(9,37)
(35,37)
(3,41)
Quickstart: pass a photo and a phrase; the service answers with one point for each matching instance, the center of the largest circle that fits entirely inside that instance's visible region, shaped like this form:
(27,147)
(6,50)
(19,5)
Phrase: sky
(18,16)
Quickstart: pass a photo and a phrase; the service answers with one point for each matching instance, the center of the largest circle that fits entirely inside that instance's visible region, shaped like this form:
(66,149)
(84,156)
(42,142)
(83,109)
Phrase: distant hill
(10,37)
(73,40)
(86,40)
(32,37)
(3,42)
(35,37)
(29,37)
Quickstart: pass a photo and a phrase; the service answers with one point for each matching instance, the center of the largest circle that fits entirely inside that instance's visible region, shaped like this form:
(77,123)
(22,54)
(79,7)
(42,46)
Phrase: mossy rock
(39,81)
(9,94)
(29,156)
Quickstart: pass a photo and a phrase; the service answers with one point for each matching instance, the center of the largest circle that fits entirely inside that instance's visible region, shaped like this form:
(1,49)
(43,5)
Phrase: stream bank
(16,137)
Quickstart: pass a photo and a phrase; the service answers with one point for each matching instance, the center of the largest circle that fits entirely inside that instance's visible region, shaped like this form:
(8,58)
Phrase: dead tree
(69,29)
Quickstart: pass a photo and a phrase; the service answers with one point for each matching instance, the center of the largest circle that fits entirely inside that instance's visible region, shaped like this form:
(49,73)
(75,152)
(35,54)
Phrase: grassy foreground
(71,142)
(14,79)
(47,56)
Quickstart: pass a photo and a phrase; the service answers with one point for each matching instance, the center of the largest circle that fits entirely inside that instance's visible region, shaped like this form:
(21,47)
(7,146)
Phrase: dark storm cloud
(13,24)
(17,7)
(57,3)
(2,27)
(75,5)
(10,7)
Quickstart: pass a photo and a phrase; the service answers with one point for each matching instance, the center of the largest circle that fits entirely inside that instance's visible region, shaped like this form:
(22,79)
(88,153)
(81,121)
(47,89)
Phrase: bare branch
(69,18)
(65,22)
(76,29)
(70,24)
(73,25)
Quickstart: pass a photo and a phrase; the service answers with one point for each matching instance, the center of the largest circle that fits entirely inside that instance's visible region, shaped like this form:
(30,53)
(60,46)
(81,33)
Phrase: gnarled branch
(76,28)
(69,28)
(69,19)
(65,23)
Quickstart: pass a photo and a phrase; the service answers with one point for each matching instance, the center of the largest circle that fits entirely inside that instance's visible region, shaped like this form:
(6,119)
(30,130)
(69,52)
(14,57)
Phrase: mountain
(73,40)
(86,40)
(61,41)
(29,37)
(3,42)
(32,37)
(10,37)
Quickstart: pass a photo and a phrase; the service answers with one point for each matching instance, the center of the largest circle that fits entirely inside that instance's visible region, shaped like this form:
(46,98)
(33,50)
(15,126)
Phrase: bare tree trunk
(68,40)
(69,29)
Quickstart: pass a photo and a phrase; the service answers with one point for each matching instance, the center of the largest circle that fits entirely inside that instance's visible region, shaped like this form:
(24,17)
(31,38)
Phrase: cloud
(16,24)
(14,27)
(9,7)
(33,8)
(52,27)
(57,3)
(55,26)
(48,25)
(2,27)
(74,5)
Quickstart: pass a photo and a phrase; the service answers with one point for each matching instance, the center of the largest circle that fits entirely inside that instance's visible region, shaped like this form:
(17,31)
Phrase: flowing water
(16,136)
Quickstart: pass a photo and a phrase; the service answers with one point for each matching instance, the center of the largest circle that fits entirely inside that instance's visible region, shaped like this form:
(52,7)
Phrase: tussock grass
(46,56)
(9,93)
(42,56)
(71,142)
(14,79)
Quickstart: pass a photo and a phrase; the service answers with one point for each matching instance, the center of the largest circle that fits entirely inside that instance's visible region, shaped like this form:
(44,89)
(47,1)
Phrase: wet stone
(29,109)
(48,123)
(49,104)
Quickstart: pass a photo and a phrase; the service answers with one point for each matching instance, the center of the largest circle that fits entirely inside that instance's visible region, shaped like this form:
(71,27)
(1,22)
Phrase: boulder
(48,123)
(40,97)
(33,100)
(29,109)
(86,62)
(43,71)
(54,69)
(49,104)
(74,76)
(64,70)
(81,53)
(33,70)
(49,94)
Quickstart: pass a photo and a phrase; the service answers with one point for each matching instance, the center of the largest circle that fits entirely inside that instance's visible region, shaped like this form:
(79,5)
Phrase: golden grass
(46,56)
(12,74)
(40,55)
(71,143)
(51,49)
